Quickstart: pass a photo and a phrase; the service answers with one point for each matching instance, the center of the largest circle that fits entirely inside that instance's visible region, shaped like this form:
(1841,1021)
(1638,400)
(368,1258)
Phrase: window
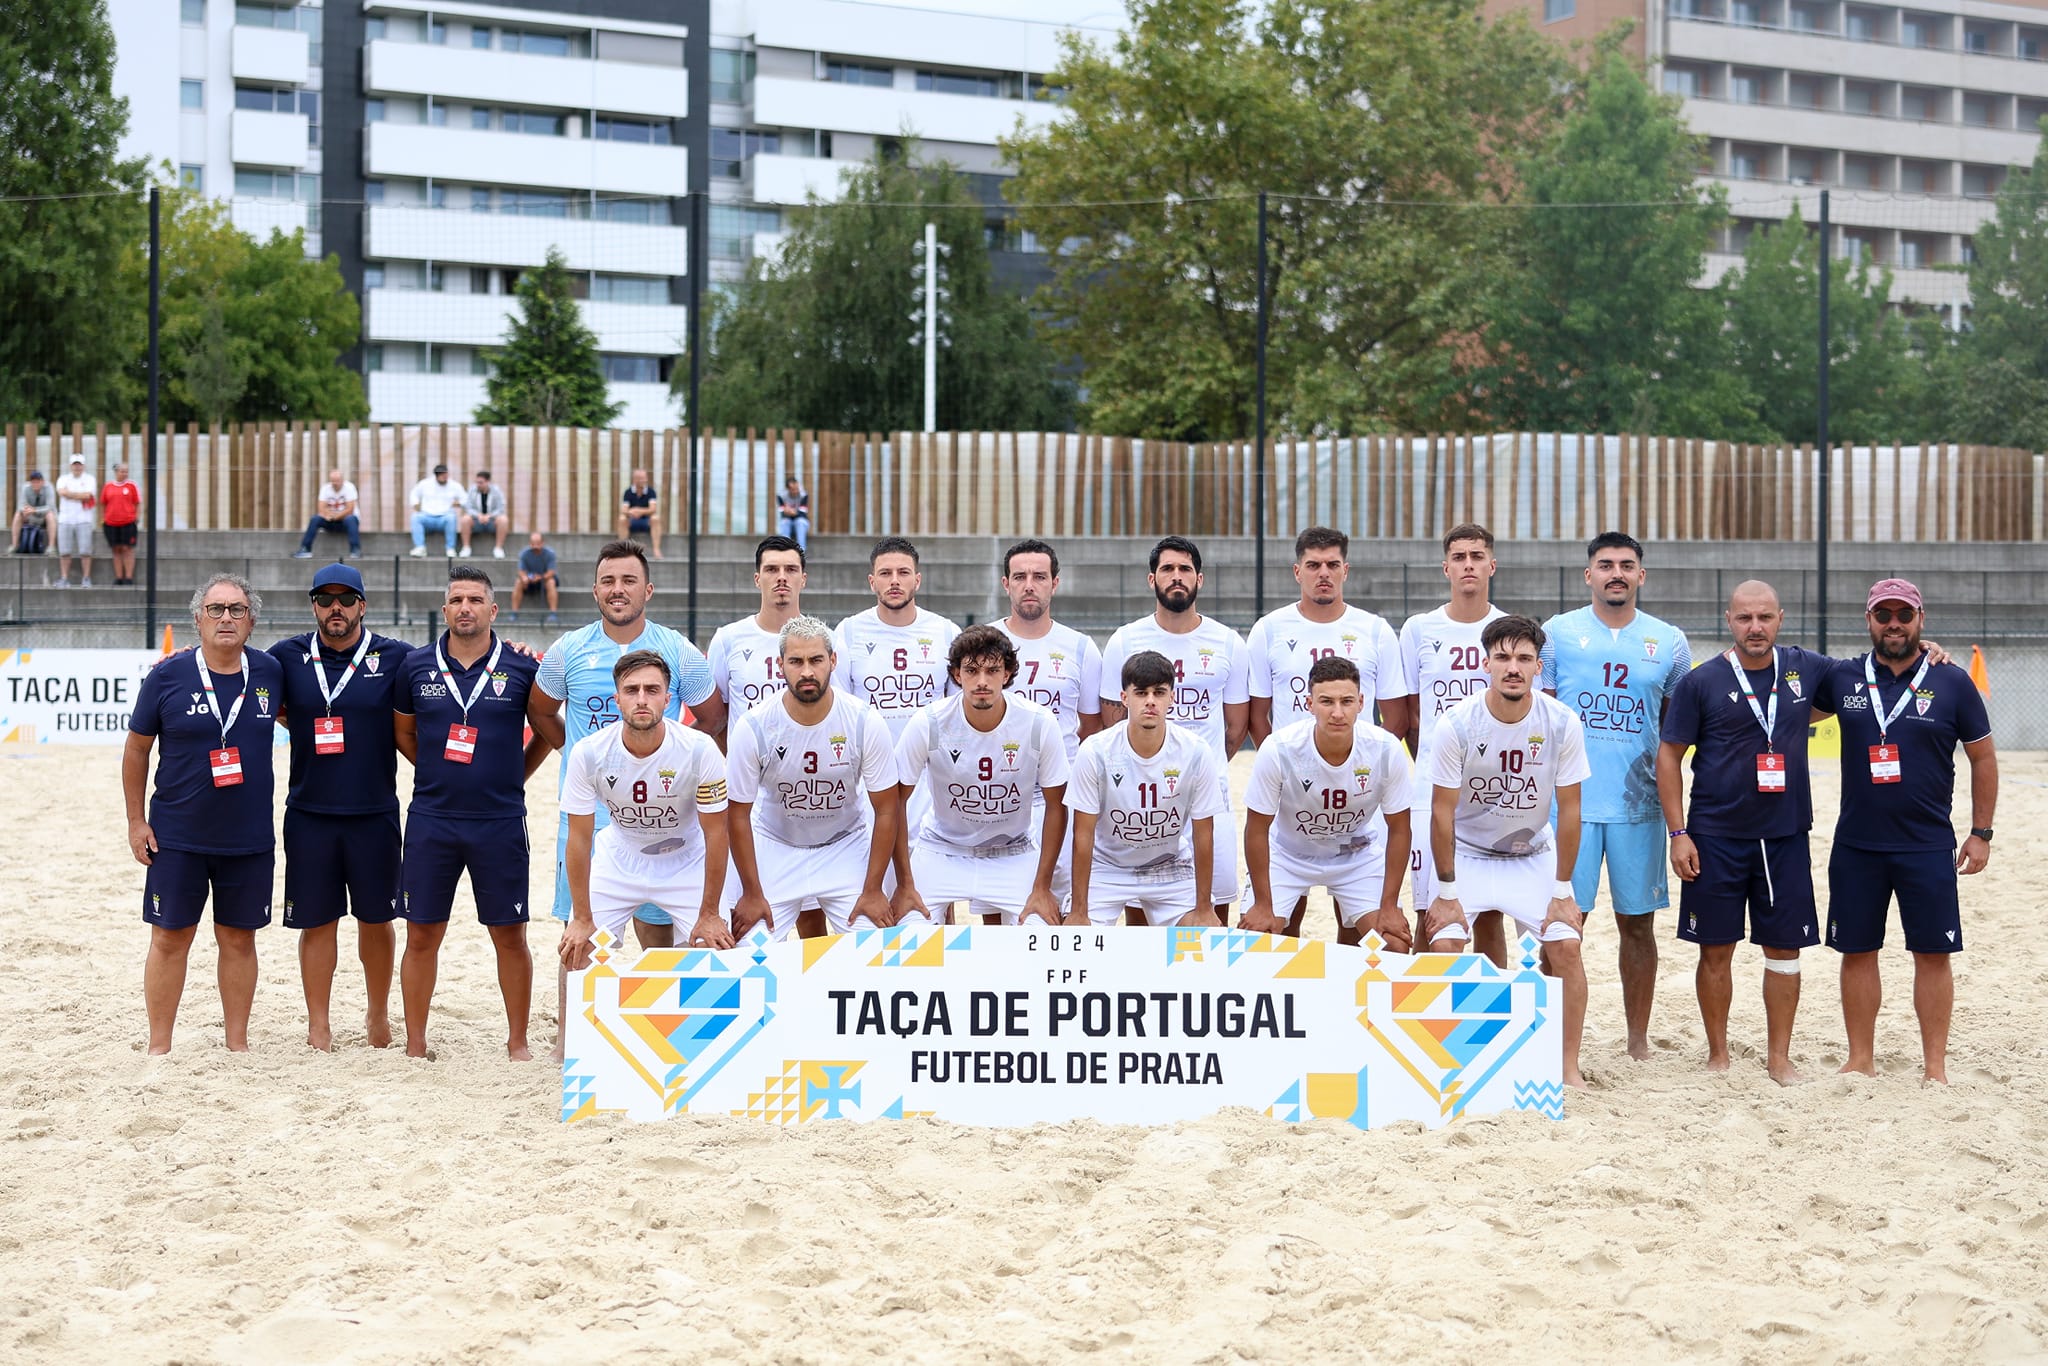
(373,111)
(437,32)
(1746,87)
(1554,10)
(192,12)
(1746,13)
(373,192)
(536,44)
(730,73)
(480,36)
(437,278)
(1682,80)
(480,117)
(192,178)
(1912,253)
(732,148)
(732,227)
(1860,97)
(1861,27)
(1038,88)
(479,279)
(437,113)
(534,203)
(628,289)
(518,121)
(1976,40)
(650,211)
(374,28)
(373,354)
(854,73)
(632,369)
(608,129)
(479,201)
(2030,47)
(373,275)
(479,363)
(191,94)
(965,83)
(1745,166)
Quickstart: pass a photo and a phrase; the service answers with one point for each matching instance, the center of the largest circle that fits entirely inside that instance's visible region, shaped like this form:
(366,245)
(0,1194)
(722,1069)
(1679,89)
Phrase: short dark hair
(641,659)
(1511,628)
(469,573)
(1321,538)
(769,543)
(1332,669)
(1031,545)
(1468,531)
(481,474)
(623,550)
(1148,669)
(1180,543)
(892,545)
(982,642)
(1614,540)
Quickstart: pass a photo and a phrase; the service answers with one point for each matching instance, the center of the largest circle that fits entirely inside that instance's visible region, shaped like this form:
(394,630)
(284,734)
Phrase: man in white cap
(76,495)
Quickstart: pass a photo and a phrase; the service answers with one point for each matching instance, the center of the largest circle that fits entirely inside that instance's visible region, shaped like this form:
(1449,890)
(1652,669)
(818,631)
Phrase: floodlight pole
(931,327)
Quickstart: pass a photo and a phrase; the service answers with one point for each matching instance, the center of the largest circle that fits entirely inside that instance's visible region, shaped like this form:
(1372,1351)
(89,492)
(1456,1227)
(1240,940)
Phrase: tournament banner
(70,697)
(1011,1025)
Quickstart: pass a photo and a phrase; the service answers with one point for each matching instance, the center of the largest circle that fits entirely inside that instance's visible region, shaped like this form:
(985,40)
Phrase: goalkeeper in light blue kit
(1617,668)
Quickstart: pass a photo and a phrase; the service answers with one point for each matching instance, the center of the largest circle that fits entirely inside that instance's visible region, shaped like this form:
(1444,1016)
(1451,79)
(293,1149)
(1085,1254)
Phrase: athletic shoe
(497,552)
(302,554)
(419,552)
(551,619)
(86,583)
(463,553)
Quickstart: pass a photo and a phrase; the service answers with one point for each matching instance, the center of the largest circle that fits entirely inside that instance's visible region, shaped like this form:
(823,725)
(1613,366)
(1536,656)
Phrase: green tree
(547,374)
(1369,121)
(214,372)
(1599,323)
(822,336)
(1997,373)
(73,317)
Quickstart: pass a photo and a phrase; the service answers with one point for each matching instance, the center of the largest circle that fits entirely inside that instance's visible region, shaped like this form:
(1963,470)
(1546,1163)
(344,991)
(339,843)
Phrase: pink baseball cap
(1894,590)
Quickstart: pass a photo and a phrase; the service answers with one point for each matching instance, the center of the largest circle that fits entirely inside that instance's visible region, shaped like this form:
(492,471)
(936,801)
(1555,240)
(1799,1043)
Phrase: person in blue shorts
(459,715)
(1616,667)
(1902,715)
(210,715)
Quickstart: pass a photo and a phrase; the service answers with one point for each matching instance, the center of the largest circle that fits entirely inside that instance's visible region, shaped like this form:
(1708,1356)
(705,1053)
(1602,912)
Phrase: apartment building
(1909,116)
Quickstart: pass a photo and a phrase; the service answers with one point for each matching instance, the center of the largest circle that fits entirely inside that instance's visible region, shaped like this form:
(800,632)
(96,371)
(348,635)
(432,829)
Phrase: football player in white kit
(1316,786)
(893,655)
(1441,666)
(1144,799)
(796,766)
(746,655)
(1211,693)
(1498,761)
(647,771)
(984,754)
(1057,667)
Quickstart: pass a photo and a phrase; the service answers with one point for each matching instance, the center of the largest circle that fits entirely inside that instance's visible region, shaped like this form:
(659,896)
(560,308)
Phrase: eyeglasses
(217,610)
(1885,616)
(345,598)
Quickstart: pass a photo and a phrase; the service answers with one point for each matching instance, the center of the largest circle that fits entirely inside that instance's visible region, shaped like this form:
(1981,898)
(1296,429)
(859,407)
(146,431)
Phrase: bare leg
(416,974)
(1862,994)
(518,594)
(1295,919)
(1934,1001)
(1714,979)
(1638,961)
(1490,936)
(163,982)
(376,945)
(1564,961)
(1781,1004)
(561,1012)
(653,936)
(317,955)
(236,972)
(515,983)
(812,924)
(654,534)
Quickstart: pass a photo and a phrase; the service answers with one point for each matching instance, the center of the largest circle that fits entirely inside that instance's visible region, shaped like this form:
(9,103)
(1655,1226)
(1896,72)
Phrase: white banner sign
(70,697)
(998,1025)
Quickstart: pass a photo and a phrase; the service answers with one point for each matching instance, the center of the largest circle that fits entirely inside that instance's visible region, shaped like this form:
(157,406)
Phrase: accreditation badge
(1884,763)
(327,737)
(1770,773)
(226,765)
(461,745)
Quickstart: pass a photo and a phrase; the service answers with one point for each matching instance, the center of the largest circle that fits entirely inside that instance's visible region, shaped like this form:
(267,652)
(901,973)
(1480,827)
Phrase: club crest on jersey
(668,779)
(1172,776)
(1792,682)
(498,682)
(1649,647)
(1056,659)
(1364,776)
(838,746)
(1535,749)
(1010,755)
(263,701)
(1350,645)
(1202,659)
(1922,700)
(924,647)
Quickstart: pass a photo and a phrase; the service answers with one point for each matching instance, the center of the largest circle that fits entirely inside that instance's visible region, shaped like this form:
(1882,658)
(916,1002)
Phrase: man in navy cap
(341,838)
(1902,716)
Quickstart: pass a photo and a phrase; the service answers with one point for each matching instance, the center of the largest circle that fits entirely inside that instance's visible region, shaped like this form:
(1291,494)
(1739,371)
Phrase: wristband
(1674,834)
(1560,890)
(1447,890)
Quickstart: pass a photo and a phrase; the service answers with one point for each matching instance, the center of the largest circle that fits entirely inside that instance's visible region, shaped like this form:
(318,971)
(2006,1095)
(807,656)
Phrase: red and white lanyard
(213,702)
(1768,720)
(1884,720)
(483,679)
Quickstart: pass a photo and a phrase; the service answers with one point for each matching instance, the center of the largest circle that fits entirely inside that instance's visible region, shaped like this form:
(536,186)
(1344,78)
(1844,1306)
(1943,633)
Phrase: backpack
(35,540)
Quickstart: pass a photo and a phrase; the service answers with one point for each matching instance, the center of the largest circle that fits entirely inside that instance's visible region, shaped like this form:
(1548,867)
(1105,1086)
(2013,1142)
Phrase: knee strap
(1788,966)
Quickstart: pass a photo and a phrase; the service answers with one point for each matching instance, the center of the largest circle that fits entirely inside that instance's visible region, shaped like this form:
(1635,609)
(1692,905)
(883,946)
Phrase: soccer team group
(896,769)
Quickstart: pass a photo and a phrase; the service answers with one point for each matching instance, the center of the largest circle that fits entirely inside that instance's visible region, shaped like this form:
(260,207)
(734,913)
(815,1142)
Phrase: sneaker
(419,552)
(463,553)
(63,583)
(302,554)
(551,619)
(497,552)
(85,583)
(511,615)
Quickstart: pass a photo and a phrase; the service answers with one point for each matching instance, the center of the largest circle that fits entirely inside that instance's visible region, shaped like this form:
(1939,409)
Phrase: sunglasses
(1885,616)
(341,599)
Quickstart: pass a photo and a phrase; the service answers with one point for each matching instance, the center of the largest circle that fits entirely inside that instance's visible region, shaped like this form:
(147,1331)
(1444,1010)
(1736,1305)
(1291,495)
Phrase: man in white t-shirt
(745,655)
(334,509)
(1144,798)
(1499,761)
(797,766)
(1441,666)
(1328,807)
(436,506)
(990,840)
(1211,693)
(663,786)
(76,494)
(893,655)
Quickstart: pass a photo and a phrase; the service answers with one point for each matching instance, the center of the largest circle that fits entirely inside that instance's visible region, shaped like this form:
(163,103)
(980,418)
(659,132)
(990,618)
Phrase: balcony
(1867,133)
(489,77)
(452,398)
(884,113)
(416,151)
(412,315)
(915,37)
(404,234)
(270,56)
(260,217)
(1799,50)
(771,178)
(259,138)
(1846,209)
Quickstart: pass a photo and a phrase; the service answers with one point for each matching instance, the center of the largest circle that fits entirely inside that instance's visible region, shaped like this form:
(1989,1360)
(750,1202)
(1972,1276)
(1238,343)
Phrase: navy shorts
(337,864)
(1770,880)
(178,883)
(1862,883)
(638,526)
(439,850)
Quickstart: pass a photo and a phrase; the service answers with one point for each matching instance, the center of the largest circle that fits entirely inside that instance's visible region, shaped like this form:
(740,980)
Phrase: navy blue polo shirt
(186,810)
(362,780)
(1914,813)
(1709,712)
(493,785)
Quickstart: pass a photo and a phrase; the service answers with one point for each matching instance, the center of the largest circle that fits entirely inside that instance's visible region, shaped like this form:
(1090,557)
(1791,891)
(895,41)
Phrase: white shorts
(1164,900)
(795,879)
(1063,871)
(1223,866)
(74,538)
(1354,881)
(622,881)
(989,886)
(1519,888)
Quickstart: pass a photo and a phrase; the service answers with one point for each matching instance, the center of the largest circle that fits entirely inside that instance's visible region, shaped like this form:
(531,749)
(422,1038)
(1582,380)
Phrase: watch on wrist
(1982,832)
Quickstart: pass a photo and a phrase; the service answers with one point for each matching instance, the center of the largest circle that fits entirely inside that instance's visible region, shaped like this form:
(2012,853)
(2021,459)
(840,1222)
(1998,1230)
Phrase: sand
(289,1206)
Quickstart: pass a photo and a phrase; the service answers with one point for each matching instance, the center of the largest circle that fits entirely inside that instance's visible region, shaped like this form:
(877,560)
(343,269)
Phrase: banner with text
(70,697)
(1019,1025)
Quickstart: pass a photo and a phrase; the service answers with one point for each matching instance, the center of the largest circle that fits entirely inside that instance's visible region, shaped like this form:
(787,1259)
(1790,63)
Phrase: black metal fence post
(155,386)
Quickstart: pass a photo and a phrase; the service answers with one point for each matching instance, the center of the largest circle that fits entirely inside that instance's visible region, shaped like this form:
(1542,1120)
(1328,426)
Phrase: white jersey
(1324,811)
(1209,670)
(806,782)
(1507,772)
(1285,645)
(1442,664)
(1145,808)
(746,664)
(982,783)
(898,669)
(1062,672)
(649,800)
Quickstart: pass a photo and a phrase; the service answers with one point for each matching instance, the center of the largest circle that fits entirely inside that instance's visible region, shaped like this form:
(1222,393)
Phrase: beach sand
(289,1206)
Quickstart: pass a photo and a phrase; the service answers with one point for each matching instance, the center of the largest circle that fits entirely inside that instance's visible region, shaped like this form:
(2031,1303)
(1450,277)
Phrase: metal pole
(155,385)
(1259,459)
(1826,453)
(931,327)
(696,325)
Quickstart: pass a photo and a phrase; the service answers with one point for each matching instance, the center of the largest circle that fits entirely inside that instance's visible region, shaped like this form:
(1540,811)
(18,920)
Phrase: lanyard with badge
(462,737)
(1884,756)
(226,762)
(1771,774)
(327,733)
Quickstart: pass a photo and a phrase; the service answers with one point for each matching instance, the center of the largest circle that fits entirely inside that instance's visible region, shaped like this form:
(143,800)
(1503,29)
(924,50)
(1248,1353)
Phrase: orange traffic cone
(1979,674)
(170,641)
